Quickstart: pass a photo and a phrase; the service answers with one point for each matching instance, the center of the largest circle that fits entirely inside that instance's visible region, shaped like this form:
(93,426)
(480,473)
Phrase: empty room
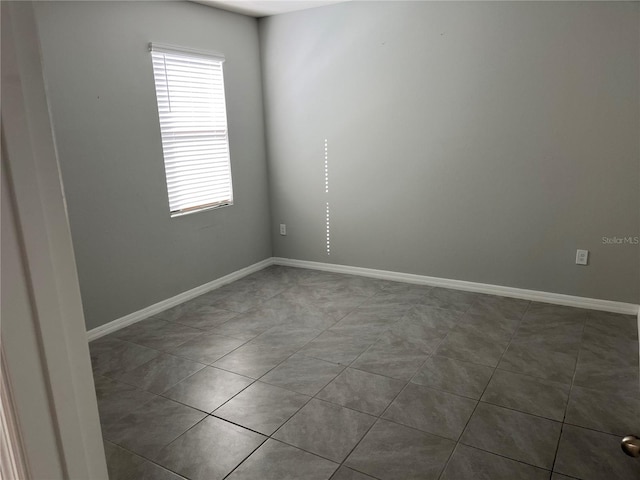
(320,240)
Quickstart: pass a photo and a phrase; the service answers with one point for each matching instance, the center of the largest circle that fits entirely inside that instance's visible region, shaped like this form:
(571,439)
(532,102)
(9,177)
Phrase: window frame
(168,136)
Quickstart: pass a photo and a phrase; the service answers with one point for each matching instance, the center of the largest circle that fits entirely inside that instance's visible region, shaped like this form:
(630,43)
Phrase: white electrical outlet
(283,229)
(582,256)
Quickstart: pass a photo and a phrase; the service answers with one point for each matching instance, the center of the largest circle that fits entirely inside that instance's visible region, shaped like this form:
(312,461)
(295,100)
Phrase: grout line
(484,390)
(377,418)
(566,408)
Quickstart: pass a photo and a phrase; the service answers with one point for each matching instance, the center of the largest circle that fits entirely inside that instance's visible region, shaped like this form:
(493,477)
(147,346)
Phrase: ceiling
(263,8)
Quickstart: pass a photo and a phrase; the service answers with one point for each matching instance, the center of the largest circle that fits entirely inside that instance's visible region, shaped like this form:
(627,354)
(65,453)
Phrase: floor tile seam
(513,409)
(311,397)
(505,456)
(308,451)
(355,469)
(354,409)
(295,352)
(121,416)
(359,441)
(245,458)
(566,408)
(438,389)
(466,426)
(213,414)
(537,377)
(429,356)
(570,424)
(154,462)
(204,411)
(132,341)
(125,382)
(229,352)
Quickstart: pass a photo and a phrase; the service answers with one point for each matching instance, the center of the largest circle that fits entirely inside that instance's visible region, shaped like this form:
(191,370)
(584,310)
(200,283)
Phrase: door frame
(47,361)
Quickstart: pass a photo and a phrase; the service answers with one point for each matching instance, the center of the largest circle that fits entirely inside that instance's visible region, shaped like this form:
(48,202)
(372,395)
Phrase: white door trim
(44,238)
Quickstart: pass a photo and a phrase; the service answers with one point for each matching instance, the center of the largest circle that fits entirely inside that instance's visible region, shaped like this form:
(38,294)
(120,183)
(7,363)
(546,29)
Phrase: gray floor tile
(210,450)
(113,357)
(496,306)
(391,451)
(539,361)
(150,427)
(173,313)
(294,337)
(240,302)
(209,298)
(542,312)
(432,411)
(613,324)
(276,461)
(207,348)
(336,348)
(454,376)
(253,360)
(205,317)
(590,455)
(261,407)
(161,373)
(425,327)
(345,473)
(393,357)
(162,335)
(362,391)
(124,465)
(527,394)
(333,304)
(602,368)
(208,389)
(369,322)
(301,313)
(302,374)
(492,326)
(325,429)
(609,346)
(356,285)
(512,434)
(457,300)
(440,319)
(557,476)
(469,463)
(384,328)
(251,324)
(117,399)
(472,347)
(603,411)
(557,333)
(409,296)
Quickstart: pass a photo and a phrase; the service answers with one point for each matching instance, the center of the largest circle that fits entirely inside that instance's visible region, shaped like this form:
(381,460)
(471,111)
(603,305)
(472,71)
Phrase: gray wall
(130,253)
(474,141)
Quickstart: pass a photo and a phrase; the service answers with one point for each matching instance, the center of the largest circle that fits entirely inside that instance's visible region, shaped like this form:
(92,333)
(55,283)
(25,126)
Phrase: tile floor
(298,374)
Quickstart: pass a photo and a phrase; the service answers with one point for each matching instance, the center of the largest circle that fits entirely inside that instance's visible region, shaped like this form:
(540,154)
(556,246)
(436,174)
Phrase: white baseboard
(546,297)
(134,317)
(535,295)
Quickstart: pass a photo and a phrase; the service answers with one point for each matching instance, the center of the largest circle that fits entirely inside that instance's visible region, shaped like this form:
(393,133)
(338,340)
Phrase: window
(193,124)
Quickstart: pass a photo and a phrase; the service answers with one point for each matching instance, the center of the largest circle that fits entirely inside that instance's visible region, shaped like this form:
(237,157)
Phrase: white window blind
(193,124)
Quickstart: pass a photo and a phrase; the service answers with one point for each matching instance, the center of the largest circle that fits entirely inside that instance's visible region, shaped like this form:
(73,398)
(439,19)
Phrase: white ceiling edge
(264,8)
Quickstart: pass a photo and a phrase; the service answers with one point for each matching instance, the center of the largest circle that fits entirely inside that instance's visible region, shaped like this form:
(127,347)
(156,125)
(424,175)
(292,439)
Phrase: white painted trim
(45,344)
(554,298)
(139,315)
(535,295)
(12,452)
